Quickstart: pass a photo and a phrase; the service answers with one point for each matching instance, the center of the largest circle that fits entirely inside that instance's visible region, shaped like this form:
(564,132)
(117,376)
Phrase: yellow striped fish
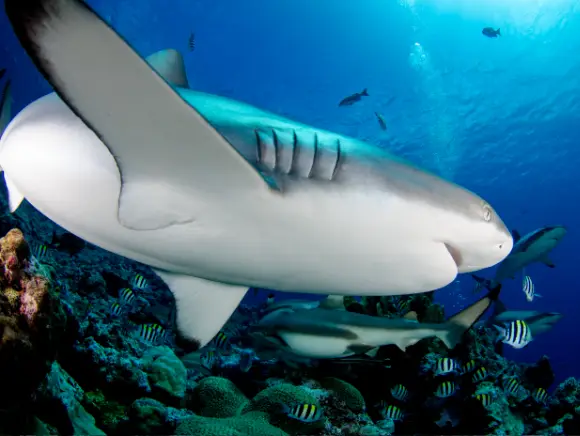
(304,412)
(485,399)
(139,282)
(151,333)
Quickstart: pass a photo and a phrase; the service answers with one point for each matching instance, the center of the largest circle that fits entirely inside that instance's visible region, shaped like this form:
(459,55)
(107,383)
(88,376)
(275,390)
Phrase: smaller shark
(533,247)
(329,333)
(538,322)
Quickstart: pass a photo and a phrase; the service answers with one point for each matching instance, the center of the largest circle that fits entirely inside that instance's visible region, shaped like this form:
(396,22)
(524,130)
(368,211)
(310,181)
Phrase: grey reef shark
(533,247)
(216,195)
(328,331)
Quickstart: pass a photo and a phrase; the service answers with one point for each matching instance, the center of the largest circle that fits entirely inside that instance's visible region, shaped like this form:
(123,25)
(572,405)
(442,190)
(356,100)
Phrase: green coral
(250,424)
(165,371)
(272,400)
(345,392)
(108,413)
(217,397)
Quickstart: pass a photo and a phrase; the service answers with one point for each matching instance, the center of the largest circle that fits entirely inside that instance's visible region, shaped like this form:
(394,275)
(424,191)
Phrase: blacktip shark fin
(5,106)
(15,198)
(203,306)
(465,319)
(164,148)
(169,64)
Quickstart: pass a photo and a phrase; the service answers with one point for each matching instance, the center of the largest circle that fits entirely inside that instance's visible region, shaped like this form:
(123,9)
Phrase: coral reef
(75,363)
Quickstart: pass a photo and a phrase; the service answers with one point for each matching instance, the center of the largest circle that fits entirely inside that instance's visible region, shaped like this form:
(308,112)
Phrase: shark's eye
(487,212)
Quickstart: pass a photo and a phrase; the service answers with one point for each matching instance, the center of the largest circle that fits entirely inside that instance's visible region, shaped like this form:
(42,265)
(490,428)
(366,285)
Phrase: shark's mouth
(455,254)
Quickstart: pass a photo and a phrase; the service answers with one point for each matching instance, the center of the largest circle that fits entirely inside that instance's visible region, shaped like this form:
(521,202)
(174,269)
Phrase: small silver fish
(191,42)
(352,99)
(381,121)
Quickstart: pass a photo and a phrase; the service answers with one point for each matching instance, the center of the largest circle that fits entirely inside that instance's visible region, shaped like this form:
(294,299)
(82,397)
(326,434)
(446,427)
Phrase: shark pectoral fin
(203,306)
(5,107)
(169,65)
(458,324)
(333,302)
(15,198)
(158,140)
(548,262)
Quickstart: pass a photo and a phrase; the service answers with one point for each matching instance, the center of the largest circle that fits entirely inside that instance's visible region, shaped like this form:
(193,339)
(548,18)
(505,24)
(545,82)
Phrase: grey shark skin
(217,195)
(532,247)
(328,334)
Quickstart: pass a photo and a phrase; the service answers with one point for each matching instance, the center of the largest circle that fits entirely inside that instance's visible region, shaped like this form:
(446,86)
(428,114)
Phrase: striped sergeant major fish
(446,389)
(116,309)
(388,411)
(485,399)
(540,395)
(151,333)
(126,296)
(529,289)
(221,340)
(209,359)
(139,282)
(480,375)
(303,412)
(517,334)
(468,366)
(40,251)
(400,392)
(446,365)
(512,386)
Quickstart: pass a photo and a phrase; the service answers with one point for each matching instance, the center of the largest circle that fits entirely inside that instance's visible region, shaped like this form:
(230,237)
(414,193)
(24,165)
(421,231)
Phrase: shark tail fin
(365,92)
(498,32)
(460,323)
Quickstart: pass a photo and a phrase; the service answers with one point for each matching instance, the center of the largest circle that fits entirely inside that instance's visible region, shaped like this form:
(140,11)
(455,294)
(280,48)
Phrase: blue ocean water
(499,116)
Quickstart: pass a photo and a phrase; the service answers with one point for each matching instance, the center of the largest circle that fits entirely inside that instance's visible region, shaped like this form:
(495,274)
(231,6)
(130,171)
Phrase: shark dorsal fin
(333,302)
(411,316)
(169,65)
(516,235)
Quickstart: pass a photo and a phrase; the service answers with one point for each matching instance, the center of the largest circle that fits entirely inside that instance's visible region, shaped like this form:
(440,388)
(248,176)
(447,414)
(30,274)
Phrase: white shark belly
(307,240)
